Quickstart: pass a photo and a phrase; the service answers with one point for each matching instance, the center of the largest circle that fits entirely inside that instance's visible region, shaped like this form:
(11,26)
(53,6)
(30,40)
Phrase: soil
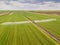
(47,12)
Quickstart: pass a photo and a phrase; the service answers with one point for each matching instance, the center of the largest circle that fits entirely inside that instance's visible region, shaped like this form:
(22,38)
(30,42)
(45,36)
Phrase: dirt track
(6,13)
(45,31)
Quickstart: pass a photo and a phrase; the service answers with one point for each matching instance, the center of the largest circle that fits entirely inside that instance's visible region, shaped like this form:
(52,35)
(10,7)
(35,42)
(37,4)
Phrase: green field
(28,34)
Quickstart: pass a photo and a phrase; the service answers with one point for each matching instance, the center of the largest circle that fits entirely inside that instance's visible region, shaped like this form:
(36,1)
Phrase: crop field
(29,28)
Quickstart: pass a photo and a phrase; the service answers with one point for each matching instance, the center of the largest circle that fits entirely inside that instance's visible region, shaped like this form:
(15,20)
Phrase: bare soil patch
(24,22)
(47,12)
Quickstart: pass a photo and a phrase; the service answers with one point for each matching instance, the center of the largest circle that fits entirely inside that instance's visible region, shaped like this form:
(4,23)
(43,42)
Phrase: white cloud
(50,6)
(15,5)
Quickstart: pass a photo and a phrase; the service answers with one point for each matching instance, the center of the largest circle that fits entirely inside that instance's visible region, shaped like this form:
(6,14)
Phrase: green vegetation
(51,26)
(27,34)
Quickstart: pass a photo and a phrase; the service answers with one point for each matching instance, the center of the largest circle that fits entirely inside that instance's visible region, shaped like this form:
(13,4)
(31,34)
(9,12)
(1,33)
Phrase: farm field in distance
(29,28)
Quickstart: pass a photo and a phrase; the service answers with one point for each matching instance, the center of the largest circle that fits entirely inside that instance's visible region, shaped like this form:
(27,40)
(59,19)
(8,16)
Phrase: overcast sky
(29,4)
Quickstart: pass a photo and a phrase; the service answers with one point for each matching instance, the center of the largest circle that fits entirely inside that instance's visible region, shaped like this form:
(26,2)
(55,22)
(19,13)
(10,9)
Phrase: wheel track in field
(44,30)
(6,13)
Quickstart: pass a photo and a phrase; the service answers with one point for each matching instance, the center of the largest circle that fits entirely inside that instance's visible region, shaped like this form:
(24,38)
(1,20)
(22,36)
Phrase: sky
(29,4)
